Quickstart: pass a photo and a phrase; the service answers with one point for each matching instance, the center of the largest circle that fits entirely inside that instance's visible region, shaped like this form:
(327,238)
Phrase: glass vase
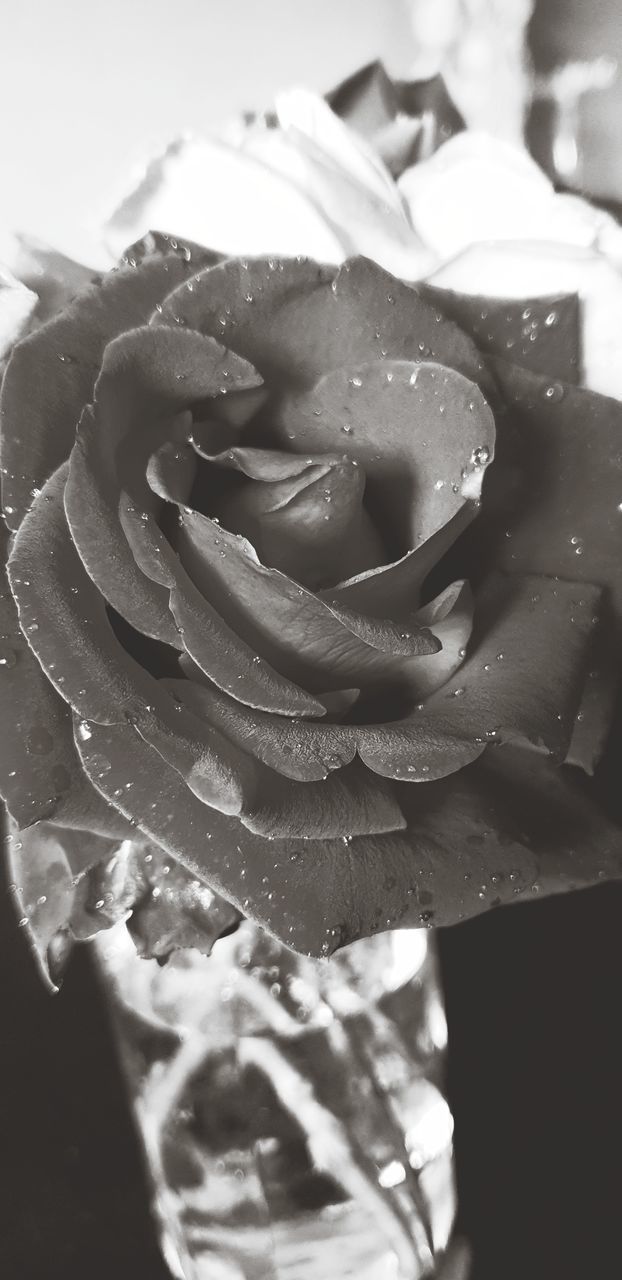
(291,1110)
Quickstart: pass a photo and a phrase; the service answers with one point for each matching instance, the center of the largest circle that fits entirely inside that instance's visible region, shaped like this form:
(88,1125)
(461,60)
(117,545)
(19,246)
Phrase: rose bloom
(314,585)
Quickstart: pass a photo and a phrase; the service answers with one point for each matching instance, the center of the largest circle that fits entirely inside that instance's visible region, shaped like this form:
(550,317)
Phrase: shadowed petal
(423,434)
(522,681)
(554,498)
(542,333)
(40,772)
(292,750)
(50,376)
(304,516)
(346,803)
(147,376)
(310,641)
(112,511)
(316,896)
(259,308)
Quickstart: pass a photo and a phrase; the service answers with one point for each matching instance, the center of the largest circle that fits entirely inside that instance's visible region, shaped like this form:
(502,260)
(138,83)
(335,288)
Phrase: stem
(329,1146)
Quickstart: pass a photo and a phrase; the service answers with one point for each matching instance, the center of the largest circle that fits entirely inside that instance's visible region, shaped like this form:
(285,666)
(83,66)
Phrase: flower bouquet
(310,633)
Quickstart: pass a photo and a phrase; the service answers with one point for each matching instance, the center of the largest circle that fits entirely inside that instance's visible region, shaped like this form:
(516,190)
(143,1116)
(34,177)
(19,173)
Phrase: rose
(232,792)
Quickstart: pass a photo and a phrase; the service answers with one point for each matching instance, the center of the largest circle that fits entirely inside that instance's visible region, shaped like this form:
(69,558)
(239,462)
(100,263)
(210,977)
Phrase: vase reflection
(291,1110)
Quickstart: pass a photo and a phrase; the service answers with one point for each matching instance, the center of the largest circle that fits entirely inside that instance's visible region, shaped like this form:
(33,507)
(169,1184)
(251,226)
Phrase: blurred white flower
(17,304)
(499,229)
(303,183)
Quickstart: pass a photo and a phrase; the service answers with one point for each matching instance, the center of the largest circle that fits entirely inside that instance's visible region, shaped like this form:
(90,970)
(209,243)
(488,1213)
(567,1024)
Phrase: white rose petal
(227,200)
(365,222)
(528,269)
(309,117)
(17,304)
(475,188)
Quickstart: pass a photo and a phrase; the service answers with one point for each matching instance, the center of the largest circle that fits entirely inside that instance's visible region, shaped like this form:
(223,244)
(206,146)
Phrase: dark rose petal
(509,827)
(507,823)
(112,509)
(50,375)
(554,498)
(389,592)
(522,682)
(40,772)
(291,749)
(159,244)
(450,618)
(542,334)
(348,802)
(304,516)
(312,642)
(147,377)
(597,710)
(42,864)
(348,316)
(423,434)
(99,678)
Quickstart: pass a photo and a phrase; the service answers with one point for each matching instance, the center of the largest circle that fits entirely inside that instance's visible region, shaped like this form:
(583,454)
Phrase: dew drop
(84,730)
(480,456)
(8,657)
(554,392)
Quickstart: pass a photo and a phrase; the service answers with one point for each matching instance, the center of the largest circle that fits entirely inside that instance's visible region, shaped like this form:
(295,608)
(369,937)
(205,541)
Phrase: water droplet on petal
(554,392)
(480,456)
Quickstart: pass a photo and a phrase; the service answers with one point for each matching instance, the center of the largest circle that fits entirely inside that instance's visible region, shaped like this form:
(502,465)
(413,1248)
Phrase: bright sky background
(89,91)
